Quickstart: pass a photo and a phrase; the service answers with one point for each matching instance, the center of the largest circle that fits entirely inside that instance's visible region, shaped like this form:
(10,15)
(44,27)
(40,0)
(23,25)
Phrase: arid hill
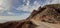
(47,16)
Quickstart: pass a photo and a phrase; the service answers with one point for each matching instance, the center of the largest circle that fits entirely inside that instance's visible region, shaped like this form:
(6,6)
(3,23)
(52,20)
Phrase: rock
(47,16)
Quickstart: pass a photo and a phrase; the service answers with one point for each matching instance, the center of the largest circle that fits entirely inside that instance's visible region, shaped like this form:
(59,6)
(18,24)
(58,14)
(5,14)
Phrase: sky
(20,9)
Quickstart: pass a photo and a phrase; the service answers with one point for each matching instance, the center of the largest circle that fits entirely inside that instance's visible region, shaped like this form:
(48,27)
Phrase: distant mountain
(47,16)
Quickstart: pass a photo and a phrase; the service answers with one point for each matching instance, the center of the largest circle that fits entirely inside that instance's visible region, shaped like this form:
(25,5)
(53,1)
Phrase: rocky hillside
(47,16)
(47,13)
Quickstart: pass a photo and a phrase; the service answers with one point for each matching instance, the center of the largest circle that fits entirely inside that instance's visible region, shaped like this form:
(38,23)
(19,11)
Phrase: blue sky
(21,8)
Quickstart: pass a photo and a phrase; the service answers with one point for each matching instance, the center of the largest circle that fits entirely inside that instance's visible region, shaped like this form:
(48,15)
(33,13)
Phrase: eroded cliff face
(47,16)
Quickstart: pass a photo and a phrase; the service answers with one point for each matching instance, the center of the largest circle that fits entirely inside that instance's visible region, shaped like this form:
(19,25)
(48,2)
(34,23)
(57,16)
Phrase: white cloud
(10,13)
(55,2)
(13,18)
(4,5)
(52,2)
(35,5)
(10,18)
(28,7)
(27,2)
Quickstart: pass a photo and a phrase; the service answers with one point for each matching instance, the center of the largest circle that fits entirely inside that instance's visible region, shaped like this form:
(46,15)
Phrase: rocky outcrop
(47,16)
(48,13)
